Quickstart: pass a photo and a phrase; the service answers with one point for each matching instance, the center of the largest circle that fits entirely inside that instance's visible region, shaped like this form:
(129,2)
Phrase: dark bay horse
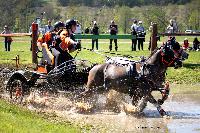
(138,79)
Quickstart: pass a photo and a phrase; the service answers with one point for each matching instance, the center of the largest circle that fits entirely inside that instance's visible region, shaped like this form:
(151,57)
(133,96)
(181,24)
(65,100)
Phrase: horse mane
(155,50)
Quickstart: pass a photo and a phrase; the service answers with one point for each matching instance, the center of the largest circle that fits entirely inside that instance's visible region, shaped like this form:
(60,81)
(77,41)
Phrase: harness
(165,60)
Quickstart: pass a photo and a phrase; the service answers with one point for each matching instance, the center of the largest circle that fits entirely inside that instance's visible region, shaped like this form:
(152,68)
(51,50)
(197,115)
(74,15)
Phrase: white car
(188,31)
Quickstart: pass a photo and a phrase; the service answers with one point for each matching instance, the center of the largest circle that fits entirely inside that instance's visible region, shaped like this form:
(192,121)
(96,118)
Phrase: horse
(138,79)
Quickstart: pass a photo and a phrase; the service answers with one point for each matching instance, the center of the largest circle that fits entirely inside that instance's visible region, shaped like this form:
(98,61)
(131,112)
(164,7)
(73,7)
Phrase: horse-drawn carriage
(136,78)
(68,76)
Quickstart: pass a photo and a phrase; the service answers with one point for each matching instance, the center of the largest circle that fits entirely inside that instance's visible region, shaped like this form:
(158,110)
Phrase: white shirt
(134,26)
(78,29)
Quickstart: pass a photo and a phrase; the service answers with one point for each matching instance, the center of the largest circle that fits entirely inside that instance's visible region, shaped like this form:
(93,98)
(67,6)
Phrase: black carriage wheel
(16,89)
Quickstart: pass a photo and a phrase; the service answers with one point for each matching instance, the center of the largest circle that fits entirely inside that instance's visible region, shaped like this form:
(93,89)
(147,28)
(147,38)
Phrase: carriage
(68,76)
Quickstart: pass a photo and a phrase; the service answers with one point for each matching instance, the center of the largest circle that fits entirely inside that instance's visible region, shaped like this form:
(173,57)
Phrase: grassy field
(16,119)
(189,73)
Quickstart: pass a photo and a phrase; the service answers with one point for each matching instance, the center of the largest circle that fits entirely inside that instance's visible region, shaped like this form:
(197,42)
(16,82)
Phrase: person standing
(95,31)
(113,29)
(8,39)
(141,35)
(48,27)
(134,32)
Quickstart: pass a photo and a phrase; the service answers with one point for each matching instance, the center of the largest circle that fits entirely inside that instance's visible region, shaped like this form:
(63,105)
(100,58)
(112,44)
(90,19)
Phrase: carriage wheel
(16,90)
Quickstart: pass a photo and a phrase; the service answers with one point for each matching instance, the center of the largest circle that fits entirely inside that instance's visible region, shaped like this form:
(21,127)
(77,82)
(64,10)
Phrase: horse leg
(113,99)
(142,103)
(152,100)
(165,93)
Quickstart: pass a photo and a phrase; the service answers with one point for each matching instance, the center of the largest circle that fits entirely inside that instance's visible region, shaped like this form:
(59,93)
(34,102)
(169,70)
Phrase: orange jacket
(45,38)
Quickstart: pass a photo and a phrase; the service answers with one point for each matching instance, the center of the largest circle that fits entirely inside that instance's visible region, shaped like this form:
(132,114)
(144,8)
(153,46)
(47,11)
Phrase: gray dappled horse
(138,79)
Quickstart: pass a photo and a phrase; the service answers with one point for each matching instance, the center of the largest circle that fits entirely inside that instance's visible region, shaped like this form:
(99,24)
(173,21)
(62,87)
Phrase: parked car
(188,31)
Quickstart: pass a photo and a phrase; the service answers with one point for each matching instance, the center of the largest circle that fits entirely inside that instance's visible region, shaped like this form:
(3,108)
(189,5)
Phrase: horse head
(174,52)
(170,54)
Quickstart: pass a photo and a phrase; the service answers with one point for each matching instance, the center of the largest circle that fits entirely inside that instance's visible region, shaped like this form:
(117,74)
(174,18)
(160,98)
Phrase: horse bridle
(173,56)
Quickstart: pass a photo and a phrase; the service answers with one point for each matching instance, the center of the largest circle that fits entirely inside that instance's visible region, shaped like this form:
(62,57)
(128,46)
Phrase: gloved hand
(78,45)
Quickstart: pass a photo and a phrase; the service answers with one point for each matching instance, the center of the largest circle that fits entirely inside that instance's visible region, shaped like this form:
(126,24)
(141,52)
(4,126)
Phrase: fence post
(17,61)
(154,37)
(34,42)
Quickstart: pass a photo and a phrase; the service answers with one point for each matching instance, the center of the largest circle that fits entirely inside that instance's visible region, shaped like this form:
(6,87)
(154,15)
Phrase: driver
(55,45)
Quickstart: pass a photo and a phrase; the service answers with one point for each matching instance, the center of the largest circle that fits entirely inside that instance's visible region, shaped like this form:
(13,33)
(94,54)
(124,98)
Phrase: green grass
(15,119)
(189,73)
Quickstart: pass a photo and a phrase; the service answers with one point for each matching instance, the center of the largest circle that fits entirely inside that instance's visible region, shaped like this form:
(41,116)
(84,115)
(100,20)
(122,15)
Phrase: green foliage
(112,3)
(19,14)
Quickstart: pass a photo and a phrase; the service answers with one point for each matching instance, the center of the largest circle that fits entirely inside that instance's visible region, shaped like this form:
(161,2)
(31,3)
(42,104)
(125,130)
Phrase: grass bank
(16,119)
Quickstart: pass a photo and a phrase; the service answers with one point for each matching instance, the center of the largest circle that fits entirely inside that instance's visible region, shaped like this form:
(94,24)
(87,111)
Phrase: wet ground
(183,111)
(183,108)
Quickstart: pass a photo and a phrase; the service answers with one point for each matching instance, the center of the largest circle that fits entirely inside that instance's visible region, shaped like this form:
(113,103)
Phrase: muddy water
(183,111)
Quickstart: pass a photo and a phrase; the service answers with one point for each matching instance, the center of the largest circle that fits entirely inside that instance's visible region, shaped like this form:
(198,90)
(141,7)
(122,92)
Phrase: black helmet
(59,24)
(70,22)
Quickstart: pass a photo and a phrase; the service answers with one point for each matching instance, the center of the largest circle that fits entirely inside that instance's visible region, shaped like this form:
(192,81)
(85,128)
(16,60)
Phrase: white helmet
(140,22)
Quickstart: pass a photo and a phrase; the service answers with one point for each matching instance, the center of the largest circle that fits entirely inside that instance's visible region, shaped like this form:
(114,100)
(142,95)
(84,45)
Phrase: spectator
(141,35)
(196,44)
(185,44)
(134,32)
(8,39)
(113,29)
(48,27)
(78,29)
(95,31)
(172,27)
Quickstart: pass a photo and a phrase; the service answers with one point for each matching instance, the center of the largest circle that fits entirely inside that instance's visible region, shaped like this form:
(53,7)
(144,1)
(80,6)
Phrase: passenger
(67,43)
(44,44)
(66,46)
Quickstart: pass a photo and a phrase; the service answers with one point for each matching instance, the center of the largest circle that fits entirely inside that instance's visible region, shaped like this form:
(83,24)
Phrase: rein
(112,53)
